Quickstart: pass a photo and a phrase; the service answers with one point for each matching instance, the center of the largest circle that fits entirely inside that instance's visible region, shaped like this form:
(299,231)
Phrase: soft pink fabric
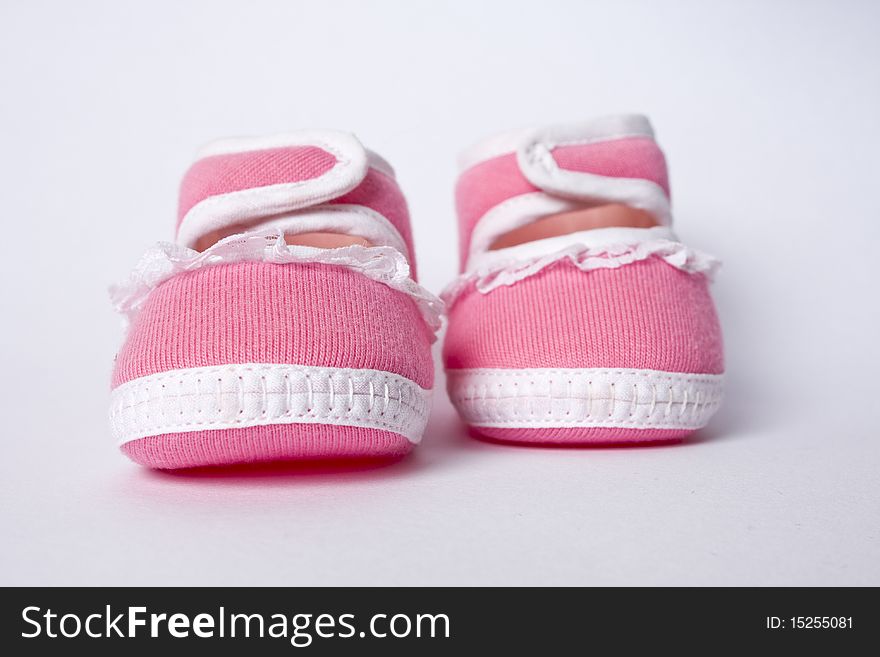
(381,193)
(633,157)
(233,172)
(278,442)
(646,315)
(258,312)
(494,181)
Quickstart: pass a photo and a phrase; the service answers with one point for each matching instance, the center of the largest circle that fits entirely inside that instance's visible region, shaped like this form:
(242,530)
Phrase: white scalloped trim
(382,264)
(253,394)
(493,269)
(595,397)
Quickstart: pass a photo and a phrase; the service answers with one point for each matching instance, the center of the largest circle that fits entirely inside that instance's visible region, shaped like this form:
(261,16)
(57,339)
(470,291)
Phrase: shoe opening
(321,239)
(564,223)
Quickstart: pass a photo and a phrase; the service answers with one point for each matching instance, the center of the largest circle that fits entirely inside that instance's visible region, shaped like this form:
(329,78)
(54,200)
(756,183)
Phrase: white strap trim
(527,208)
(216,212)
(597,240)
(536,161)
(598,397)
(344,218)
(514,213)
(249,395)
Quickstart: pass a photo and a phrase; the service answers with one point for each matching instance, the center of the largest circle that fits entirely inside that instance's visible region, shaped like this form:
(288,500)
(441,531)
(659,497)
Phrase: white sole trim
(254,394)
(559,398)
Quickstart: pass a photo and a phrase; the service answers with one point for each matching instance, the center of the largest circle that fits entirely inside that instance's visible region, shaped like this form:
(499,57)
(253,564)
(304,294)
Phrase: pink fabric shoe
(601,336)
(252,349)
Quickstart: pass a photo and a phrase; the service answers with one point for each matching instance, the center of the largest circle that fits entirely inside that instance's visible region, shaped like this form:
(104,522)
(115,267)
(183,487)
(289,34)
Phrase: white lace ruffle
(496,272)
(383,264)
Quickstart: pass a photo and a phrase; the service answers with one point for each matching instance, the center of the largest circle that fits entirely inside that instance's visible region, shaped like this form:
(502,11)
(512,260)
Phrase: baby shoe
(246,343)
(606,335)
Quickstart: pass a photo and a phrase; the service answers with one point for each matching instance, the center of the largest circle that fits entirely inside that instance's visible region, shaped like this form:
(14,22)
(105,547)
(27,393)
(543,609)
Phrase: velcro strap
(537,162)
(237,181)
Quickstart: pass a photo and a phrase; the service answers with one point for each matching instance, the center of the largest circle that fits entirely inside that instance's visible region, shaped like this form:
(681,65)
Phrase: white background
(768,112)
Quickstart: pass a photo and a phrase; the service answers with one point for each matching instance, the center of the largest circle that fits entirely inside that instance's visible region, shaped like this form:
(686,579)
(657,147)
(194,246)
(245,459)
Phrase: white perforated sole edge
(560,398)
(253,394)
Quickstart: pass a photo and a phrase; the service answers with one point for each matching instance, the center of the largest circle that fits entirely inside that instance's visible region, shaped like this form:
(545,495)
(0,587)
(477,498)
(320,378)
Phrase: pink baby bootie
(246,343)
(605,335)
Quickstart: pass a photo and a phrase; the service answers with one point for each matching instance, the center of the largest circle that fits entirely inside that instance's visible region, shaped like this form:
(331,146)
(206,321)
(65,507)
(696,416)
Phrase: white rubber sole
(253,394)
(566,398)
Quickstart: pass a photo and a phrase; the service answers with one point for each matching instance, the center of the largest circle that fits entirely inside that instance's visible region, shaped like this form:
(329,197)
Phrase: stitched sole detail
(564,398)
(254,394)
